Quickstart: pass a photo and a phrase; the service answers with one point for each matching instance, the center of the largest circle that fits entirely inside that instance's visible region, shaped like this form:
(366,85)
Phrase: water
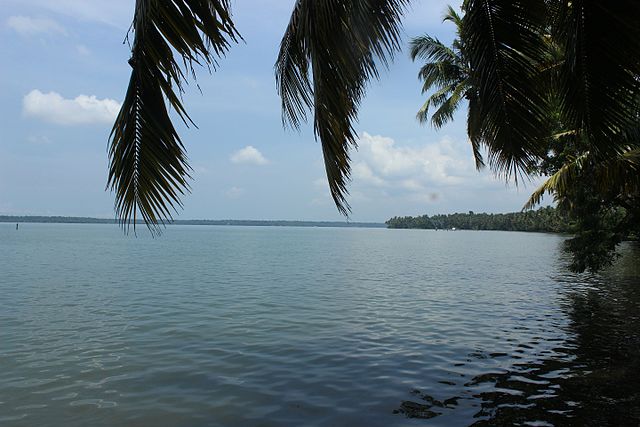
(244,326)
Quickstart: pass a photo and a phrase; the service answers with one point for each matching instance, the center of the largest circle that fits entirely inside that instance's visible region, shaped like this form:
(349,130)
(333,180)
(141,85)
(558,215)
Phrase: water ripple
(318,327)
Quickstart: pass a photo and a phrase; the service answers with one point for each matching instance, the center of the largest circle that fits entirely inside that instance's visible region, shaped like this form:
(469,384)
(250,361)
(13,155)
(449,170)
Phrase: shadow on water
(592,378)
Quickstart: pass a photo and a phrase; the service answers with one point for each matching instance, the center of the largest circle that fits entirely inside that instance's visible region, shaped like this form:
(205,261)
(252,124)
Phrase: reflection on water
(592,377)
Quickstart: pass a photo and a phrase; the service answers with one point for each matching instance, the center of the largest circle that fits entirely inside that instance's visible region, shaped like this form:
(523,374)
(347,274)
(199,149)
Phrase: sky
(64,73)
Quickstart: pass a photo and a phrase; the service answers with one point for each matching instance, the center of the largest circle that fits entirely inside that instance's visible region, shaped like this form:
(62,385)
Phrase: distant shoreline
(236,222)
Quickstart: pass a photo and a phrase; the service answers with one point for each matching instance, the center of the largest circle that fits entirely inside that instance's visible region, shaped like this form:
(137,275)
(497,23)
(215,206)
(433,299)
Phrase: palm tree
(332,48)
(446,69)
(448,72)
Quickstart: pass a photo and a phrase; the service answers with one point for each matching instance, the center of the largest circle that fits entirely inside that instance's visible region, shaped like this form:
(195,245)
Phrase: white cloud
(249,155)
(83,109)
(234,192)
(380,162)
(441,173)
(27,26)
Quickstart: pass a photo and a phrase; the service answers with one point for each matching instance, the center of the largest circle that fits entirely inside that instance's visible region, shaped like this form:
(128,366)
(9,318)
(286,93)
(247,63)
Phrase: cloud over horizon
(380,162)
(83,109)
(249,155)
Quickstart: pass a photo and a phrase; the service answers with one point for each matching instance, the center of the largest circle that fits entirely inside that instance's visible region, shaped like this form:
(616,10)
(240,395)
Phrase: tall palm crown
(447,72)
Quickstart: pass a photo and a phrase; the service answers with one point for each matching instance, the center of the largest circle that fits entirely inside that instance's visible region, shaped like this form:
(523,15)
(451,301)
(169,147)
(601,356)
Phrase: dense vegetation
(239,222)
(547,219)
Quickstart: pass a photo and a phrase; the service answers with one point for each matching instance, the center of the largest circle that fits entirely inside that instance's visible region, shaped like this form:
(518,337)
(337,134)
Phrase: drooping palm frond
(441,74)
(503,45)
(619,175)
(599,77)
(330,50)
(474,121)
(148,167)
(559,182)
(446,109)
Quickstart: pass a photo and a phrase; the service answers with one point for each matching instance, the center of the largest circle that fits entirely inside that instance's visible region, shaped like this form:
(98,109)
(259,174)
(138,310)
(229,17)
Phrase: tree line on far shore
(546,219)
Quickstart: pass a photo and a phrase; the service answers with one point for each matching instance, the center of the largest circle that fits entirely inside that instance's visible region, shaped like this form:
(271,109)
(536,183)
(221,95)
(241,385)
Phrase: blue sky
(64,72)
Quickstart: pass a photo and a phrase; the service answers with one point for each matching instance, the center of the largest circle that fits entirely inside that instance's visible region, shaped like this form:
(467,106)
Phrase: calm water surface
(243,326)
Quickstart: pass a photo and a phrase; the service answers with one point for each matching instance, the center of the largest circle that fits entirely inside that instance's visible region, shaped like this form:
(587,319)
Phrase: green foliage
(604,202)
(547,219)
(233,222)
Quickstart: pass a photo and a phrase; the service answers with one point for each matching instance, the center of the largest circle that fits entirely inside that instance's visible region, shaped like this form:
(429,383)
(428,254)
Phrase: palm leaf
(620,175)
(451,15)
(148,167)
(441,73)
(474,122)
(598,79)
(503,41)
(444,113)
(558,183)
(330,50)
(428,48)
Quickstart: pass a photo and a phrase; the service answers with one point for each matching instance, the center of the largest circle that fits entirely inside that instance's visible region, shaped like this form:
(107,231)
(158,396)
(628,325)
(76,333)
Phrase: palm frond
(558,183)
(618,175)
(445,112)
(148,166)
(453,16)
(330,50)
(441,73)
(598,79)
(437,99)
(428,48)
(474,121)
(503,41)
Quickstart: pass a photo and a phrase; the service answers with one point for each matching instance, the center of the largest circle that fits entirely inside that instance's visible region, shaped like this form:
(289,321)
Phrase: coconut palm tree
(446,71)
(332,48)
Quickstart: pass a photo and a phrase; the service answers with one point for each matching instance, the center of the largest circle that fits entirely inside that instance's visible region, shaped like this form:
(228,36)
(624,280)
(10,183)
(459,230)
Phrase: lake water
(250,326)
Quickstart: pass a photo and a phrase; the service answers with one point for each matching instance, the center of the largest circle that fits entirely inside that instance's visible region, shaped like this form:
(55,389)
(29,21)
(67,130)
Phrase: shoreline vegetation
(547,220)
(237,222)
